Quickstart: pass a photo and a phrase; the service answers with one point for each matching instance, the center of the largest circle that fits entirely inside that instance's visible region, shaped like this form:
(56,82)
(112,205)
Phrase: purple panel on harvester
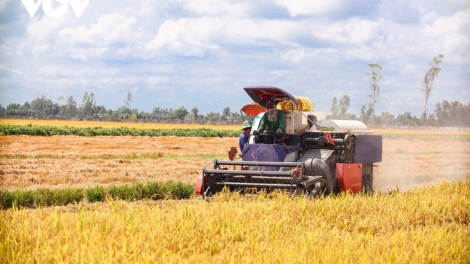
(267,152)
(368,148)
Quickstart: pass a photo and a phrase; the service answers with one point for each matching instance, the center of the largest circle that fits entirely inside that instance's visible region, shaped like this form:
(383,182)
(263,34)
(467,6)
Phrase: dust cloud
(413,161)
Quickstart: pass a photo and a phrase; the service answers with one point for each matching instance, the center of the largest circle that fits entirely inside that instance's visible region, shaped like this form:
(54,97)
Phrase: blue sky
(203,52)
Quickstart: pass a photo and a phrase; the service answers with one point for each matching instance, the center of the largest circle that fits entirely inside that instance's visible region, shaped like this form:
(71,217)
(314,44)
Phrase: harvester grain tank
(315,156)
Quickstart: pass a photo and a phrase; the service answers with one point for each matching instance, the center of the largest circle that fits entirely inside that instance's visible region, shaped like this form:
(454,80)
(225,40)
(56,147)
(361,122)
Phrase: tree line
(67,108)
(445,113)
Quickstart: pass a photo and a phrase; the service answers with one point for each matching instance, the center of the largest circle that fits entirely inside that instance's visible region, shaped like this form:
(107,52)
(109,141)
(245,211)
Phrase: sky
(203,52)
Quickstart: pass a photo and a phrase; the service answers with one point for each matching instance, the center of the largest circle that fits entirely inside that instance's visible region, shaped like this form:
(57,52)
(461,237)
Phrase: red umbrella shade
(253,109)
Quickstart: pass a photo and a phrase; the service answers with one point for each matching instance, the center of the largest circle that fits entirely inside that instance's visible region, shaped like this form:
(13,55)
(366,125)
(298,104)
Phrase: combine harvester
(315,157)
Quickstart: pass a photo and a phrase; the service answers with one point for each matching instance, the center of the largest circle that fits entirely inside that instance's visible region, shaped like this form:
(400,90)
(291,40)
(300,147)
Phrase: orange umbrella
(253,109)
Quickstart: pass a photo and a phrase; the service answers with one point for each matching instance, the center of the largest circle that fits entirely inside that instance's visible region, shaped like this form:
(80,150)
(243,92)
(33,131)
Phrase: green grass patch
(59,197)
(121,131)
(95,194)
(40,198)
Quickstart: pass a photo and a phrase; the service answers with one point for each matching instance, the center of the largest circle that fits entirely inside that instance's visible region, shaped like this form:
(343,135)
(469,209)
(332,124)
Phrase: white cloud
(114,36)
(40,38)
(442,7)
(51,70)
(400,11)
(257,32)
(215,7)
(44,29)
(449,35)
(294,55)
(5,68)
(193,37)
(157,80)
(351,31)
(302,7)
(452,24)
(189,37)
(110,28)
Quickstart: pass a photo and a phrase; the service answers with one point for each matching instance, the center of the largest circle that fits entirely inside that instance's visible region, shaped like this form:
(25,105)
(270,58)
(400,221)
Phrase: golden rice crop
(428,225)
(109,124)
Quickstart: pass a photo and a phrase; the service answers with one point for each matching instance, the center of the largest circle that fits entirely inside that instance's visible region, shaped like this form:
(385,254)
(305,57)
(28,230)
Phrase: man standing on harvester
(245,136)
(272,120)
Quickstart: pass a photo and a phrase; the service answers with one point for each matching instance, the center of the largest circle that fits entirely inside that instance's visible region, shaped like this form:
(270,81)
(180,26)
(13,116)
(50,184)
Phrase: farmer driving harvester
(272,122)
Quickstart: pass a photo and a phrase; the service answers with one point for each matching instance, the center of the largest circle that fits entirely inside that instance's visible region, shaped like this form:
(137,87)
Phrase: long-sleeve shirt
(242,141)
(265,124)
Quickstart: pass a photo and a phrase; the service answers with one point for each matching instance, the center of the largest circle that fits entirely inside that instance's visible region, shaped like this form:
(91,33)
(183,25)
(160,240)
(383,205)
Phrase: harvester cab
(316,156)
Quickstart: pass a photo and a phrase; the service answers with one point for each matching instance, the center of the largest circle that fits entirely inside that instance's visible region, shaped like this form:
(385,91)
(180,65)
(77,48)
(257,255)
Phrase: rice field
(419,214)
(408,227)
(105,124)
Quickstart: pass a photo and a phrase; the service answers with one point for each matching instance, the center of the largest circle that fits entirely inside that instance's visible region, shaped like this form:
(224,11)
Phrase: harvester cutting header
(295,149)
